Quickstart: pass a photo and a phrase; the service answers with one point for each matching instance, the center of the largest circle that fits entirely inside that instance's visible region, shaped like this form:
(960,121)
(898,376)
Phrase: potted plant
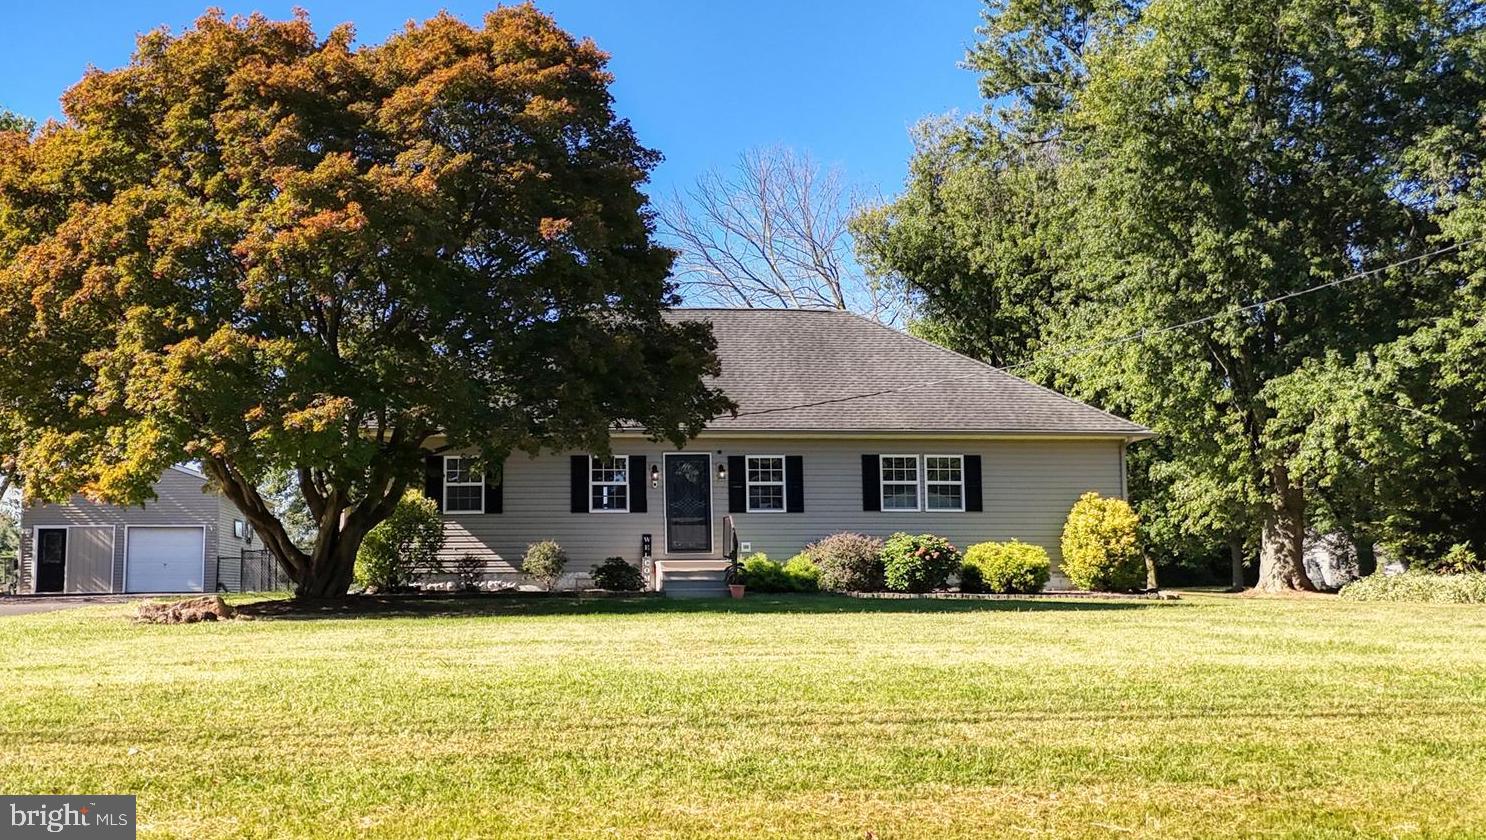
(735,579)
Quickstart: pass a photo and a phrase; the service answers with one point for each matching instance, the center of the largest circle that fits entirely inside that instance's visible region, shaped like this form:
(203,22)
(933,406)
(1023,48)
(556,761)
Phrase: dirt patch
(189,611)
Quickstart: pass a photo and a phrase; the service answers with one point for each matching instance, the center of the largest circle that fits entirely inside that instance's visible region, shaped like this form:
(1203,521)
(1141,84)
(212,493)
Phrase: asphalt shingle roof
(826,371)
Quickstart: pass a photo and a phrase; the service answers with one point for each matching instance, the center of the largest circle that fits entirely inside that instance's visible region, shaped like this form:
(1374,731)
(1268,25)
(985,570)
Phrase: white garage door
(160,559)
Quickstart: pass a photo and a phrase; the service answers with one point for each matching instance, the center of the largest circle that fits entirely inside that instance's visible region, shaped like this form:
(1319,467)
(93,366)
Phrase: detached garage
(160,558)
(189,538)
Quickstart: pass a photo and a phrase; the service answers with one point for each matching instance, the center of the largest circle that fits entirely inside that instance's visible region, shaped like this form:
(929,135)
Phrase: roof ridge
(992,369)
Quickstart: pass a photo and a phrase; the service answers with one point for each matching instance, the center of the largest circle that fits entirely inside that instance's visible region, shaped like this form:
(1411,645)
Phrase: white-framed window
(464,486)
(900,482)
(239,529)
(765,480)
(944,482)
(608,483)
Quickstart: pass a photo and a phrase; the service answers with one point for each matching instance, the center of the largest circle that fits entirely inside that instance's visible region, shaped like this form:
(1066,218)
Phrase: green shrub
(1459,560)
(918,562)
(617,575)
(760,574)
(544,562)
(1101,550)
(848,562)
(971,579)
(1424,587)
(402,546)
(1009,567)
(802,573)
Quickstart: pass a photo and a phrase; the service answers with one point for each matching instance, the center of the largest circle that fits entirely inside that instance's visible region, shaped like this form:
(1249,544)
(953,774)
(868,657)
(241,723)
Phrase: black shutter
(737,484)
(433,479)
(638,497)
(495,491)
(794,483)
(871,482)
(974,498)
(579,488)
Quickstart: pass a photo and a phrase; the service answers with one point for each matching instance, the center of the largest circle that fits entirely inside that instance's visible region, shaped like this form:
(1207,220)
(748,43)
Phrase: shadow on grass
(408,606)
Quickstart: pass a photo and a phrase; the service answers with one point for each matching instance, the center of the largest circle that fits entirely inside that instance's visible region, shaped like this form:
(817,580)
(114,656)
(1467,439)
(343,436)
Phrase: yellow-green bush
(403,546)
(1009,567)
(1101,547)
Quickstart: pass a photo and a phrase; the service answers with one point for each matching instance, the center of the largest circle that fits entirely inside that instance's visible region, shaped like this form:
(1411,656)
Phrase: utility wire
(1124,339)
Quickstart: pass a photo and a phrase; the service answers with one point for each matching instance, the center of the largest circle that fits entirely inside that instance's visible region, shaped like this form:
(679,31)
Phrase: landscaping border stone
(1057,595)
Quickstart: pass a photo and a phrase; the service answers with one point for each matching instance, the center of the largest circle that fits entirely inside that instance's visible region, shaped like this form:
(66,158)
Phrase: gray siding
(1029,486)
(228,547)
(182,500)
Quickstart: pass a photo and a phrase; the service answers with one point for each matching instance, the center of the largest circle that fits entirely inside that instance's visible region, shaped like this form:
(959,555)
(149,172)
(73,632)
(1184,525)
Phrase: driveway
(22,605)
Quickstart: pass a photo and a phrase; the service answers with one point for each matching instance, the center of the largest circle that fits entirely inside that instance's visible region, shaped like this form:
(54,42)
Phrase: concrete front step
(694,583)
(695,592)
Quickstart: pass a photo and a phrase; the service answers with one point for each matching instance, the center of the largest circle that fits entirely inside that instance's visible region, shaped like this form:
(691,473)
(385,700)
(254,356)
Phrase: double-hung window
(608,484)
(900,482)
(944,482)
(765,474)
(464,486)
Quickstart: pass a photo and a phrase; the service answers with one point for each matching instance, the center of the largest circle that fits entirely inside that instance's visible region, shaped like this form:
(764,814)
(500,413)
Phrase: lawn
(1211,716)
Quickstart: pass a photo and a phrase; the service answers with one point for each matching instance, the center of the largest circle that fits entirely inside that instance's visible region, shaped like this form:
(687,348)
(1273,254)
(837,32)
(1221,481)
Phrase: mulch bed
(414,603)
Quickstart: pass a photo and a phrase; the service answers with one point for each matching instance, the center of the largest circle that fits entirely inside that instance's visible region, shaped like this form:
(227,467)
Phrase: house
(843,425)
(189,539)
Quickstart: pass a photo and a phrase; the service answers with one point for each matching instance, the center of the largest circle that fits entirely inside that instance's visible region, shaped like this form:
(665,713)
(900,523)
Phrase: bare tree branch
(773,232)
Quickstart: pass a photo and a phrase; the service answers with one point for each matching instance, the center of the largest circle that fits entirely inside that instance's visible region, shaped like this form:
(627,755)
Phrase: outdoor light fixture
(655,475)
(722,471)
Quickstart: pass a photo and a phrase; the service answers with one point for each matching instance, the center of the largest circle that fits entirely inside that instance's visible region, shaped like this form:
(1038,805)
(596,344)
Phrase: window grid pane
(610,497)
(765,480)
(464,486)
(944,482)
(766,497)
(465,498)
(765,470)
(608,479)
(900,497)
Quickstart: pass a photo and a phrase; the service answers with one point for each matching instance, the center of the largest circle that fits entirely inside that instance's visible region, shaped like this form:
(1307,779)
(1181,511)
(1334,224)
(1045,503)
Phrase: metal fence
(254,571)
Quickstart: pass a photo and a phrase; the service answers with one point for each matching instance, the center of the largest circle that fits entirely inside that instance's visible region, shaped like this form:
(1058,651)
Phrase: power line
(1239,310)
(1124,339)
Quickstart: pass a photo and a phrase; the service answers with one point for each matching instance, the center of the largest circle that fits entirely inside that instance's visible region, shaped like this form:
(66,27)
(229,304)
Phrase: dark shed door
(51,559)
(688,504)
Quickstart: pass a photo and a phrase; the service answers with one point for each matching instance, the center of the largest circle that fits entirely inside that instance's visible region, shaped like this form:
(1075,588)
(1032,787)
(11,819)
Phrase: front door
(688,504)
(51,559)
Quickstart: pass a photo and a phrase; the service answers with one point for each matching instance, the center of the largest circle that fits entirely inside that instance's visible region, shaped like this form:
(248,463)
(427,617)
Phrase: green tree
(258,249)
(1210,157)
(11,121)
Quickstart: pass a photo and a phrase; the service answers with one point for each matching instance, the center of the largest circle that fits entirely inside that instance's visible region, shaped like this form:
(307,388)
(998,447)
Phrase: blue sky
(701,81)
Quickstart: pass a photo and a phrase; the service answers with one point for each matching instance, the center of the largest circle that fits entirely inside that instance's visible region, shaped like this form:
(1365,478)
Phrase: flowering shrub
(848,562)
(918,562)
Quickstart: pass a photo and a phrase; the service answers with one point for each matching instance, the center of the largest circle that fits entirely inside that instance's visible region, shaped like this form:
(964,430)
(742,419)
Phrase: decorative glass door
(688,504)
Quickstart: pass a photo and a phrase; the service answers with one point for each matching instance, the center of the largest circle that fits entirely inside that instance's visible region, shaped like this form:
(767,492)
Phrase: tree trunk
(1150,573)
(1367,556)
(1282,553)
(1236,558)
(331,567)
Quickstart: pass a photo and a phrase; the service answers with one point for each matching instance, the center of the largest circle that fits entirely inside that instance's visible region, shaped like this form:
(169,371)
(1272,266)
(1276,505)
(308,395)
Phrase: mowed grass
(770,717)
